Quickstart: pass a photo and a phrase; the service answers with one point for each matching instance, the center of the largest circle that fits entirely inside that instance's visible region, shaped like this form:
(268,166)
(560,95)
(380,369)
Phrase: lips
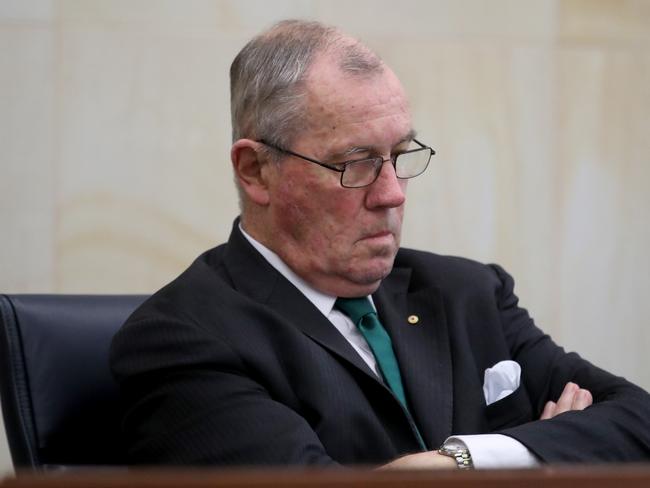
(378,235)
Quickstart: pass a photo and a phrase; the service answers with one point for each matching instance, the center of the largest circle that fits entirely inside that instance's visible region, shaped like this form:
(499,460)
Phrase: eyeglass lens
(407,165)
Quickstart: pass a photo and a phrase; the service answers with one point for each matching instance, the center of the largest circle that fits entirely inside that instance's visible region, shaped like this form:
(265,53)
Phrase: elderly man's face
(342,240)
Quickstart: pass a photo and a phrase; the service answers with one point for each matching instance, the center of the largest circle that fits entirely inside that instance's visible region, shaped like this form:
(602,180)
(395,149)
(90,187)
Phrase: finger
(582,399)
(549,410)
(566,398)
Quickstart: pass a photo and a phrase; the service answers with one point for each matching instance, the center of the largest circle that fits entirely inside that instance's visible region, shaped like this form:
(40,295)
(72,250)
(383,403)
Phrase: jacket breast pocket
(515,409)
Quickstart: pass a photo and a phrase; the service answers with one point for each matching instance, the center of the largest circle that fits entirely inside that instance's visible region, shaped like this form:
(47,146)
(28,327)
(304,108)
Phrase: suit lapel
(242,261)
(422,351)
(288,301)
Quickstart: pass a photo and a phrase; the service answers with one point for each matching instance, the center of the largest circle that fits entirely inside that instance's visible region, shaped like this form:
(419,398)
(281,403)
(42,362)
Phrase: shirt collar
(322,301)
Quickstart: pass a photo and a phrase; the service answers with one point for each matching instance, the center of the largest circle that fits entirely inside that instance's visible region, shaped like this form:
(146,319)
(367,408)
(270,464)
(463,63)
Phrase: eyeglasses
(364,172)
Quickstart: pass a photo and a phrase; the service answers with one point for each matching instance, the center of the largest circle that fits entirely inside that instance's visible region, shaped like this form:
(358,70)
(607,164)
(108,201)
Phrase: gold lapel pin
(413,319)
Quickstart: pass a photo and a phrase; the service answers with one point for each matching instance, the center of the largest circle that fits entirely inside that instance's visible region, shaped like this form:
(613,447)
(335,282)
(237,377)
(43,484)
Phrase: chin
(374,273)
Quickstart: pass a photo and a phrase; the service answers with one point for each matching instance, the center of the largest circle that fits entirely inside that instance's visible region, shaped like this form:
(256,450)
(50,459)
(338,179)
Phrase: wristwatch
(457,450)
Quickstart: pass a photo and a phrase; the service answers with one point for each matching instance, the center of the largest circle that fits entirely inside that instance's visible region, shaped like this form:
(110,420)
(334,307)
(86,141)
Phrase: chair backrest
(59,400)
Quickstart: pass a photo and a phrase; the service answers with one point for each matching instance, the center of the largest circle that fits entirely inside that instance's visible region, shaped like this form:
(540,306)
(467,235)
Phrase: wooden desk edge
(600,476)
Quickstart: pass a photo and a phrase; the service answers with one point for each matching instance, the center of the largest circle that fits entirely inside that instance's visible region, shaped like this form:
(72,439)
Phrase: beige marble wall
(114,139)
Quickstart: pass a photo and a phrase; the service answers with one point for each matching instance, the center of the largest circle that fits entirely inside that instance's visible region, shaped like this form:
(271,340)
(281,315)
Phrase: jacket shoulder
(204,279)
(447,272)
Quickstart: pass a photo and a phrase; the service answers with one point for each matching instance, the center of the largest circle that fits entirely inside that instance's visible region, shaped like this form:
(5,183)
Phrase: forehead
(349,108)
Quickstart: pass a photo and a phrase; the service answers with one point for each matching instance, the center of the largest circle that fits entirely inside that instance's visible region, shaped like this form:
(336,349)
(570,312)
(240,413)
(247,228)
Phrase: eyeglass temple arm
(286,151)
(424,146)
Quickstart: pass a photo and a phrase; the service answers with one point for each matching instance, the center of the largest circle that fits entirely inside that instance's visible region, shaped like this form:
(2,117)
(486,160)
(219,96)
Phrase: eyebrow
(346,153)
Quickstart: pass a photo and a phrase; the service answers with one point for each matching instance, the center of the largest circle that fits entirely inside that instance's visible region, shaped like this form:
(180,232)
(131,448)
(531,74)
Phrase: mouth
(382,235)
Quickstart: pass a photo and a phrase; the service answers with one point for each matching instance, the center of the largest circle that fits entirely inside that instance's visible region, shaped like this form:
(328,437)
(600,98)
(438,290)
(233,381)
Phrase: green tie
(361,312)
(364,317)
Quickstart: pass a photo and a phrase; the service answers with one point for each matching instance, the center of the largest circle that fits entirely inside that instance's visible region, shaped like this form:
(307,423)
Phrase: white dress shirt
(488,451)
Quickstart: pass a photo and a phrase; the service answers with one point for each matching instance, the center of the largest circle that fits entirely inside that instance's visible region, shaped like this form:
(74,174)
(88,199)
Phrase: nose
(387,190)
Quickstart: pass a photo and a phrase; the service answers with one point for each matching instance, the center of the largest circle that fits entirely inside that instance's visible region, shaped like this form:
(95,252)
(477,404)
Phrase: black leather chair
(59,400)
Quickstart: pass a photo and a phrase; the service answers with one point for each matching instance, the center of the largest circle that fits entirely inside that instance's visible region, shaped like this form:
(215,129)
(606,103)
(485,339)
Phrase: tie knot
(355,308)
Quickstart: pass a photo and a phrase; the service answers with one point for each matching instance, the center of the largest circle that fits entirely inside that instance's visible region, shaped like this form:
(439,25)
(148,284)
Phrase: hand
(572,398)
(422,460)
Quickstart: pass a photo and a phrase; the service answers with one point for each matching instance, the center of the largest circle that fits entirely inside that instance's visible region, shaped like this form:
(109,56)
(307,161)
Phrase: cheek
(316,211)
(301,207)
(319,194)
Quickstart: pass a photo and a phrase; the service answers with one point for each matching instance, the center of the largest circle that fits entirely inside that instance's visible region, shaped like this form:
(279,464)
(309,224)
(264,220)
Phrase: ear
(245,157)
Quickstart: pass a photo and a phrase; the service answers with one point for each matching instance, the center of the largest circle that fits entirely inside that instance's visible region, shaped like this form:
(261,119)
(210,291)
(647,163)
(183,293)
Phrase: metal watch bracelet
(459,452)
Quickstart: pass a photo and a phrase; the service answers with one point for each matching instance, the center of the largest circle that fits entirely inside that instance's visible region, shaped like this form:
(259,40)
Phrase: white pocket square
(501,380)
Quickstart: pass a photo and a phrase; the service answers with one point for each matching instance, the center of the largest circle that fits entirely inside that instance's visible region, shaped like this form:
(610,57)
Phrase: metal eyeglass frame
(341,167)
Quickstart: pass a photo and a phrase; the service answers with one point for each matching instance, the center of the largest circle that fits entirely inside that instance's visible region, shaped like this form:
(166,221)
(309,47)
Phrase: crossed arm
(572,398)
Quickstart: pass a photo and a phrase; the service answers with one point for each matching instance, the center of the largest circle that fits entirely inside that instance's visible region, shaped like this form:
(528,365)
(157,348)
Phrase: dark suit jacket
(231,364)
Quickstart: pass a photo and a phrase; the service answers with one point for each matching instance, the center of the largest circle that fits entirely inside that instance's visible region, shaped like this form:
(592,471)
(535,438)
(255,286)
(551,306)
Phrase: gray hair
(267,78)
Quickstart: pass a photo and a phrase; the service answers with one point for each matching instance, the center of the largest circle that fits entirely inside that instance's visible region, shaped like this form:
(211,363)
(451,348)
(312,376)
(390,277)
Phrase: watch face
(453,445)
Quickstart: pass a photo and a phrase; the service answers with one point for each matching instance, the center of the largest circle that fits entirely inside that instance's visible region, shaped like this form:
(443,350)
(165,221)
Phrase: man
(268,350)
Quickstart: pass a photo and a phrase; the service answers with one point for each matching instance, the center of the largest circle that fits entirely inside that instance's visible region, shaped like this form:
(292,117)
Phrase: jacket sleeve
(189,400)
(615,428)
